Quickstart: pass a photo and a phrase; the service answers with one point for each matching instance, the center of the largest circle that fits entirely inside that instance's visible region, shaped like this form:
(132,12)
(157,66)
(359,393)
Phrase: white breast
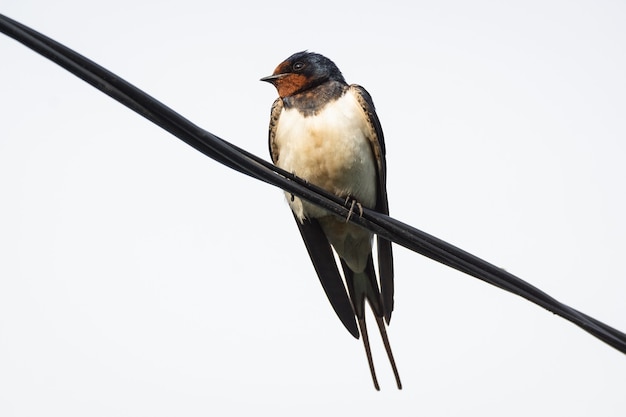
(330,149)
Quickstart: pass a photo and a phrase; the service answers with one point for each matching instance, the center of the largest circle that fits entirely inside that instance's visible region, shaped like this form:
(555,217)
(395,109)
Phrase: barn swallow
(327,132)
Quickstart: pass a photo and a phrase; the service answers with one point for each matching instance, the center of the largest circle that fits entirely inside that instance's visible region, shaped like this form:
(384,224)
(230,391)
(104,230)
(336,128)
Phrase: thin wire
(249,164)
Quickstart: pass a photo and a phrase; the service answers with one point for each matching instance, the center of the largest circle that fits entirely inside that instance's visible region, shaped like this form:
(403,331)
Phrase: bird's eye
(298,66)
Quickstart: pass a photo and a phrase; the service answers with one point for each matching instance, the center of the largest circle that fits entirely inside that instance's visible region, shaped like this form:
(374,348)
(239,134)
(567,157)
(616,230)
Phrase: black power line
(246,163)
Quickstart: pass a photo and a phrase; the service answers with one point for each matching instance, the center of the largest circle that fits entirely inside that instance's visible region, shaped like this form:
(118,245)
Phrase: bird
(327,132)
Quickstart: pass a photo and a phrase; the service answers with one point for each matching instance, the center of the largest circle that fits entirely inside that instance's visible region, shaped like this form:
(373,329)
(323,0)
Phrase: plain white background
(138,277)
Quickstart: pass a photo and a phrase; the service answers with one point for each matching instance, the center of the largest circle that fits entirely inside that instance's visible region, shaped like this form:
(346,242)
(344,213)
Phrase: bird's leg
(368,352)
(383,334)
(353,202)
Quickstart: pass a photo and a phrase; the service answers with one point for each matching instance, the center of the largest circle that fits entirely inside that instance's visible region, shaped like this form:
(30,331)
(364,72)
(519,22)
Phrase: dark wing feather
(322,257)
(377,142)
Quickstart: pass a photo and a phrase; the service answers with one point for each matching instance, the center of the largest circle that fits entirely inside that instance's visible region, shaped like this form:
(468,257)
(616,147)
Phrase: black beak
(272,78)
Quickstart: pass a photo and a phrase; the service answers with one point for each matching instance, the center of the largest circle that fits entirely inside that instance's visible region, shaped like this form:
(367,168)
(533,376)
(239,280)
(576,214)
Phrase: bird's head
(302,71)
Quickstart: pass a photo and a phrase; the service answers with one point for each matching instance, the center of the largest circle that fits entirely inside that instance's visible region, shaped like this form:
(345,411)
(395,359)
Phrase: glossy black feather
(321,255)
(385,254)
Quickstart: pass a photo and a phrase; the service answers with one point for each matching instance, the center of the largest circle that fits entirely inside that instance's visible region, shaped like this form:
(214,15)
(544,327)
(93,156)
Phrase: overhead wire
(253,166)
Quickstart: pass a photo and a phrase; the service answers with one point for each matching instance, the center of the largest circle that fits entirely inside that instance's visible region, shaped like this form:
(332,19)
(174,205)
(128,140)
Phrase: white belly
(331,150)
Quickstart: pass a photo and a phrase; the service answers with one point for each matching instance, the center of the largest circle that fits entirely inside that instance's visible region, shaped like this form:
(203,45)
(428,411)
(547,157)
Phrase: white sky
(138,277)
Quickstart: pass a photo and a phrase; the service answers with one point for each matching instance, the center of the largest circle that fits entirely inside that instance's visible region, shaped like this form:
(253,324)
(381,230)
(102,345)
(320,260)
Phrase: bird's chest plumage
(330,149)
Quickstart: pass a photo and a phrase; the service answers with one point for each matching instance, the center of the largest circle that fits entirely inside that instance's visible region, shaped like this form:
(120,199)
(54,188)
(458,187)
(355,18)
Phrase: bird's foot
(352,202)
